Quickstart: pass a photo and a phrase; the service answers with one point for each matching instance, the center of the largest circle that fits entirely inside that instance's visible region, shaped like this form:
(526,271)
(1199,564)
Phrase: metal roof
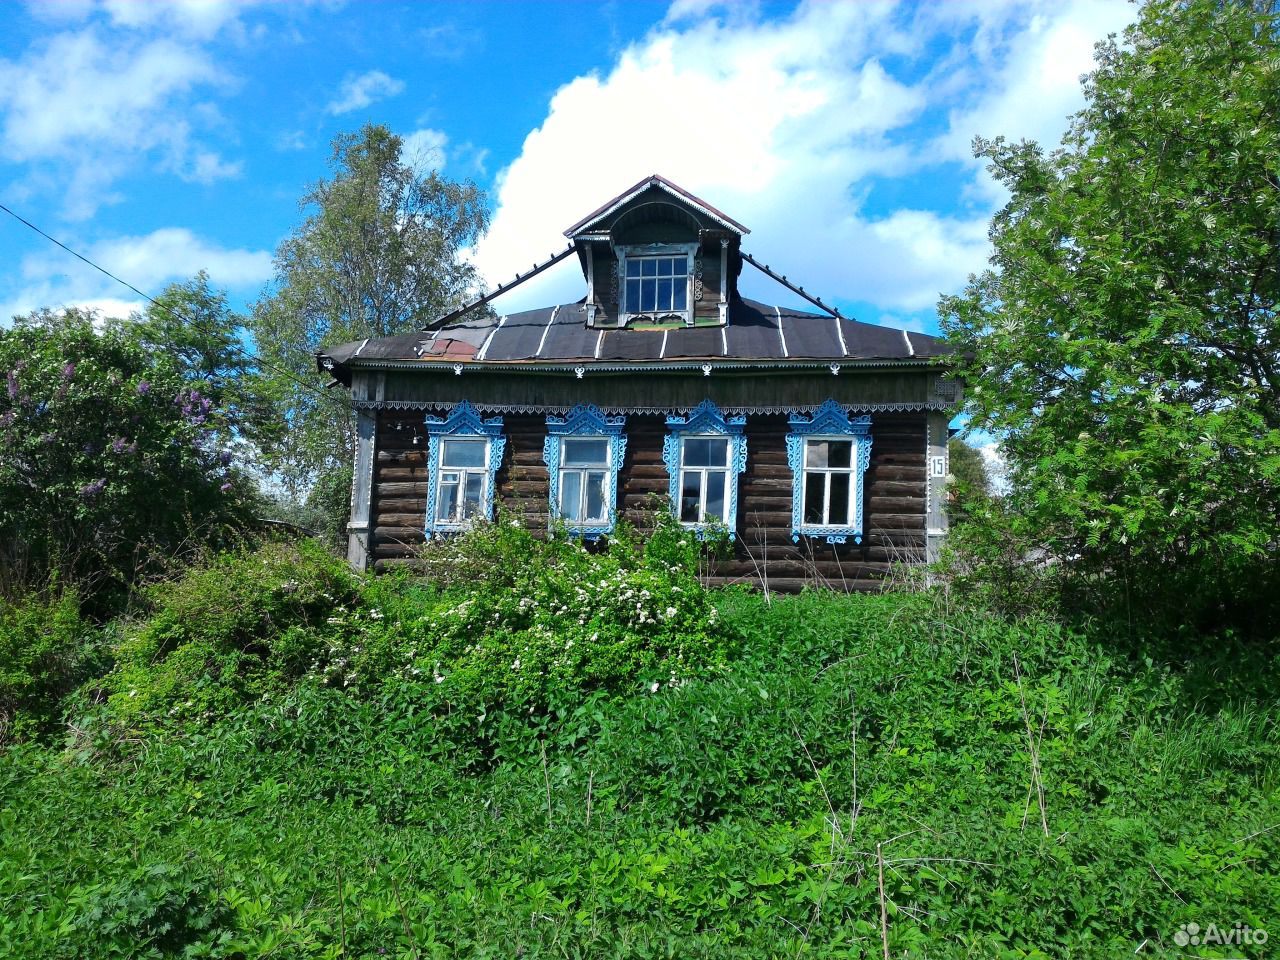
(757,335)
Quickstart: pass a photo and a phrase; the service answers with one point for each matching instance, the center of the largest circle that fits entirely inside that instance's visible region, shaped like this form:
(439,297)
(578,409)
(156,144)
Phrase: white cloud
(81,109)
(290,140)
(424,150)
(1034,83)
(786,125)
(194,18)
(356,93)
(202,18)
(997,467)
(56,279)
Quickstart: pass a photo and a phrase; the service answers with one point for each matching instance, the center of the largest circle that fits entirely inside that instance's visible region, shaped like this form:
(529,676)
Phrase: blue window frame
(829,454)
(583,452)
(464,452)
(704,453)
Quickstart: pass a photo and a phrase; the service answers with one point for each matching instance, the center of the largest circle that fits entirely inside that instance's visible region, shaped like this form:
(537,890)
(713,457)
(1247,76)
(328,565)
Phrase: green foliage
(246,625)
(970,485)
(193,324)
(379,253)
(734,815)
(1125,342)
(513,624)
(46,649)
(112,458)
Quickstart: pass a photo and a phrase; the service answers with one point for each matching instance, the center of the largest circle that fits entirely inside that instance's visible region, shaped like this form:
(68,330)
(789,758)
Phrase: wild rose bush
(503,622)
(537,623)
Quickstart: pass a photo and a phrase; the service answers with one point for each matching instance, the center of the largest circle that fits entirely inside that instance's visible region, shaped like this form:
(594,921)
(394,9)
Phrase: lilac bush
(107,453)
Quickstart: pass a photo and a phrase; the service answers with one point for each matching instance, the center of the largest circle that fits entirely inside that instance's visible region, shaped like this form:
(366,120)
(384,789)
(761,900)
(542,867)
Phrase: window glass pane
(585,452)
(571,495)
(447,500)
(649,267)
(690,493)
(664,294)
(463,453)
(474,492)
(839,508)
(648,296)
(633,268)
(715,494)
(814,489)
(595,496)
(633,294)
(705,452)
(680,296)
(838,452)
(815,453)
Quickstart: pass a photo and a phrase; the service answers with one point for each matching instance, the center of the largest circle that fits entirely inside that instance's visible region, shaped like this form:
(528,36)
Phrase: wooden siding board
(894,488)
(660,389)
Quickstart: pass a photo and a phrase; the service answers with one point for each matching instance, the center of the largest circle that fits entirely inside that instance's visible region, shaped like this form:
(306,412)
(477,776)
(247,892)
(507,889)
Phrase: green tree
(112,459)
(379,253)
(968,470)
(1125,342)
(194,325)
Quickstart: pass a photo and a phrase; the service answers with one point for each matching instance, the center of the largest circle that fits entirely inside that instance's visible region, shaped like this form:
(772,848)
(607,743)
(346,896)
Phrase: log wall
(893,511)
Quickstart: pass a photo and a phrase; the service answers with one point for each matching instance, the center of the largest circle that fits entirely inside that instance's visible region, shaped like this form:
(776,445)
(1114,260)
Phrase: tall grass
(746,810)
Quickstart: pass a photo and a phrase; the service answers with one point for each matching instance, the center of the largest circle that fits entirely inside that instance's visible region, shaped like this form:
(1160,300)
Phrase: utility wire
(173,313)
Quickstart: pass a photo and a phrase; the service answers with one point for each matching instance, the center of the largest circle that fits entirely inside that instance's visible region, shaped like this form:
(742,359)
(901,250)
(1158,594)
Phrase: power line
(173,313)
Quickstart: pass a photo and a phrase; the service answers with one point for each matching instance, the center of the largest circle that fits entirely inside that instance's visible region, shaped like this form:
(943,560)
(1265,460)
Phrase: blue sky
(160,139)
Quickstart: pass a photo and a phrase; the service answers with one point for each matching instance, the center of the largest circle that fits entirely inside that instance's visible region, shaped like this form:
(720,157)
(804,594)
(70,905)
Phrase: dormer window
(656,282)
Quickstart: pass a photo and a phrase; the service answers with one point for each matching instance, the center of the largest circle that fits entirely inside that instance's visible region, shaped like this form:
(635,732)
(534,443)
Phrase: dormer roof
(603,216)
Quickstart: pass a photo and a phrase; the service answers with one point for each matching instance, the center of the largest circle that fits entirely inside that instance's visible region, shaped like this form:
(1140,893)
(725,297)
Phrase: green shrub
(244,625)
(45,650)
(507,623)
(94,421)
(534,624)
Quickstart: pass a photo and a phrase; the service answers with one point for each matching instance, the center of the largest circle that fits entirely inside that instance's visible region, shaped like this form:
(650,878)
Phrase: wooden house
(819,441)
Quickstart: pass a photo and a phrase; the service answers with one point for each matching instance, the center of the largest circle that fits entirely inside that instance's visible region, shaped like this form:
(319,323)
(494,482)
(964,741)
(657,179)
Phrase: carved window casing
(828,453)
(704,453)
(583,452)
(464,452)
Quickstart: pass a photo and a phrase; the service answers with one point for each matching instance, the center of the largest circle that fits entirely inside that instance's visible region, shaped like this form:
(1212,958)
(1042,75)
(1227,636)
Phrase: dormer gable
(657,256)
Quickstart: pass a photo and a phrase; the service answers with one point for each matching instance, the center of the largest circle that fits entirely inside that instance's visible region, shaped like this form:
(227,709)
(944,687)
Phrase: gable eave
(662,183)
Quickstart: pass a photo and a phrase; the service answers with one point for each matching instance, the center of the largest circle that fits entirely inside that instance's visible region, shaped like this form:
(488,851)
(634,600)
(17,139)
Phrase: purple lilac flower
(68,370)
(93,489)
(224,457)
(226,487)
(143,388)
(117,445)
(13,385)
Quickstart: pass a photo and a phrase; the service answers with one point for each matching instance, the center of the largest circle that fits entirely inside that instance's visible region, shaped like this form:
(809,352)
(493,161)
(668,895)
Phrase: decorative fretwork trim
(623,411)
(830,419)
(585,420)
(464,420)
(706,419)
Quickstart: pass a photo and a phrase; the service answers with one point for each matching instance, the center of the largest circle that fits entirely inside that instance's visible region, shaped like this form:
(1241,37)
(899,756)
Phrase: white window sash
(827,473)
